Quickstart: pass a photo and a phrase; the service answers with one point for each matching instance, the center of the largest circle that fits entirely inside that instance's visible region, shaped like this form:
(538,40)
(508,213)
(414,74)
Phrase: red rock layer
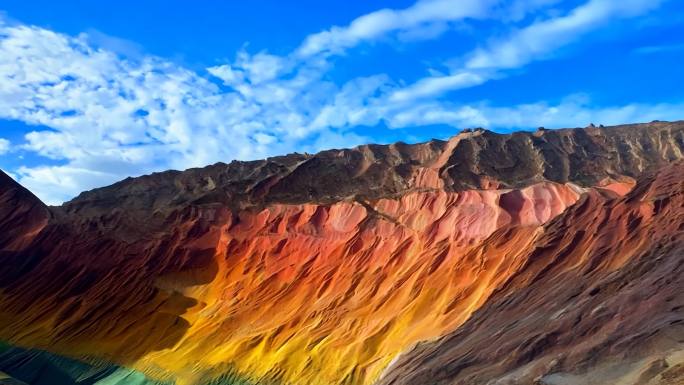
(326,293)
(323,269)
(599,300)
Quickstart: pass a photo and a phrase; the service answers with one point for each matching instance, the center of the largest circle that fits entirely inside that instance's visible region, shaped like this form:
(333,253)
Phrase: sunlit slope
(332,294)
(600,301)
(299,293)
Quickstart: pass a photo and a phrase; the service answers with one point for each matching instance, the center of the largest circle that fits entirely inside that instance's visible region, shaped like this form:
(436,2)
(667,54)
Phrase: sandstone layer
(542,256)
(600,301)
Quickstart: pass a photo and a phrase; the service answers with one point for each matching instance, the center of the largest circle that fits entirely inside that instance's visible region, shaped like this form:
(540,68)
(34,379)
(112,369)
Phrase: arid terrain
(549,258)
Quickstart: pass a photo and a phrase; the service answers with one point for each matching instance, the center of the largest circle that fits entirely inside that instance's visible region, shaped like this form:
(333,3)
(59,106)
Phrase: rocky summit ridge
(473,159)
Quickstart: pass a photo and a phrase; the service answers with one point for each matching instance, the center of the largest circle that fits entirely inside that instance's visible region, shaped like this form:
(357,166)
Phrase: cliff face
(504,257)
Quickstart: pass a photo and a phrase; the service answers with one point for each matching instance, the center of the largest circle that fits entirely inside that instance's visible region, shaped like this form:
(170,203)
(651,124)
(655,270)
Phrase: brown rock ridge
(600,301)
(478,159)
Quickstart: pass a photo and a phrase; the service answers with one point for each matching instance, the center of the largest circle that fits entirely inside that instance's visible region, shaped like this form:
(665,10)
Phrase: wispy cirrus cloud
(573,111)
(425,15)
(652,49)
(437,85)
(537,41)
(542,38)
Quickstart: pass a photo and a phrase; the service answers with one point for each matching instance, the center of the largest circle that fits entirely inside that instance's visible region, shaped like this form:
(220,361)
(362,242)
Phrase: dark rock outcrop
(472,160)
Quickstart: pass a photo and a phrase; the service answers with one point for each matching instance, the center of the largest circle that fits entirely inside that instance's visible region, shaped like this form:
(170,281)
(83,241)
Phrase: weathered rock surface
(479,159)
(600,301)
(548,256)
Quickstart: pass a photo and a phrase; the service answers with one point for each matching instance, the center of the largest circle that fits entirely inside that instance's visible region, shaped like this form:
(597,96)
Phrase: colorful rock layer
(206,286)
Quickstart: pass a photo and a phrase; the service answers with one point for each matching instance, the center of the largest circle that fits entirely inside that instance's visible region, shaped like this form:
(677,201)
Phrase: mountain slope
(323,269)
(601,300)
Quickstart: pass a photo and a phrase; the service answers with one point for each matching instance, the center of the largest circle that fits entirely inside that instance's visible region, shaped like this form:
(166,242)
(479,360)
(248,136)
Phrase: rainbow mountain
(548,257)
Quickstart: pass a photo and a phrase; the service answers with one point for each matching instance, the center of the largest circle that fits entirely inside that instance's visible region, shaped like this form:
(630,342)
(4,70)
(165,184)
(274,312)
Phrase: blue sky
(93,93)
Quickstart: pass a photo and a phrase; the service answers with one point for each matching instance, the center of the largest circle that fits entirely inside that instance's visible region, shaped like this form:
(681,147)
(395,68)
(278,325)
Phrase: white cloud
(531,43)
(262,66)
(114,115)
(56,184)
(4,146)
(572,111)
(426,18)
(227,74)
(541,38)
(659,49)
(437,85)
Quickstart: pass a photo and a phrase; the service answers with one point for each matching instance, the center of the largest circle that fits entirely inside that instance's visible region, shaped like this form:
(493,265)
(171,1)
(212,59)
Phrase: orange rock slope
(198,282)
(600,301)
(330,294)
